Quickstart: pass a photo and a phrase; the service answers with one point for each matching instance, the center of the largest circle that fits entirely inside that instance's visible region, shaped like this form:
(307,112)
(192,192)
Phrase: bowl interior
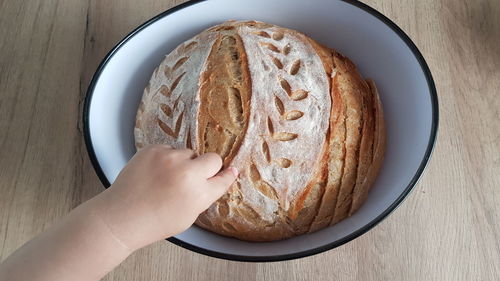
(378,51)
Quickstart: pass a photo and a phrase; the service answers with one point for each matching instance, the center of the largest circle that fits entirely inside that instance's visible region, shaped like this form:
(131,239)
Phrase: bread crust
(295,117)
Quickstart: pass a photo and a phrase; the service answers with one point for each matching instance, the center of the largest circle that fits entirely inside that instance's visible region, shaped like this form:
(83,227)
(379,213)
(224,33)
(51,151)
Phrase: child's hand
(160,193)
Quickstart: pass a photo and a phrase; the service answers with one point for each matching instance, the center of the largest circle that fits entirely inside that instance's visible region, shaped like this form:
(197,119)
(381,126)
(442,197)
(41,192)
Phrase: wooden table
(448,228)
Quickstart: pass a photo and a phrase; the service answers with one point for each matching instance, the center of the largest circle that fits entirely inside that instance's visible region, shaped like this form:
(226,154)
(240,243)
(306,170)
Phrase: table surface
(447,229)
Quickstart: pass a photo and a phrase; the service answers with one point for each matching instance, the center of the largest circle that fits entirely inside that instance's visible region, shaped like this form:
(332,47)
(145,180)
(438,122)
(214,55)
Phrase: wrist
(93,212)
(124,219)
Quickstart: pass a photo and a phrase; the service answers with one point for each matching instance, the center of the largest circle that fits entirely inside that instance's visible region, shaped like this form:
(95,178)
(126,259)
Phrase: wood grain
(448,228)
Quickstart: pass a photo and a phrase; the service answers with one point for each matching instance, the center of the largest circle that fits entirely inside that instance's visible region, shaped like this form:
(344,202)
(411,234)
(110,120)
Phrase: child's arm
(157,195)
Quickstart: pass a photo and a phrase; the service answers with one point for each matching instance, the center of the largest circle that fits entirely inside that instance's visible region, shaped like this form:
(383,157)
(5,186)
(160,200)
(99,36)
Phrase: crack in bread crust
(225,94)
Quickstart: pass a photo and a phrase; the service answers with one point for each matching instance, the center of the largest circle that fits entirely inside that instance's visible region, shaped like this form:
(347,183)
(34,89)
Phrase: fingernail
(234,171)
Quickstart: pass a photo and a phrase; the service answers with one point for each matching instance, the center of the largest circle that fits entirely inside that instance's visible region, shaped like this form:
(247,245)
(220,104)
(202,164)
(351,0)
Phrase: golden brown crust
(226,89)
(241,62)
(378,150)
(336,157)
(351,88)
(332,161)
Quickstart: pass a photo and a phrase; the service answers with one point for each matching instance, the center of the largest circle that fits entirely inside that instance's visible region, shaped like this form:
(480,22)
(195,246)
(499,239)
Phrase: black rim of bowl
(329,246)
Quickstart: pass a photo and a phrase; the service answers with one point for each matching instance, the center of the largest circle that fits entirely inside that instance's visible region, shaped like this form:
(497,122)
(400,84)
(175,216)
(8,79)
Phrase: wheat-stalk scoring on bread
(305,130)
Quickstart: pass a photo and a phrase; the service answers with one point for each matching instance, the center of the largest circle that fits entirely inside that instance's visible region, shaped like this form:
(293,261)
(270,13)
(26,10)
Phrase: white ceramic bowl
(378,47)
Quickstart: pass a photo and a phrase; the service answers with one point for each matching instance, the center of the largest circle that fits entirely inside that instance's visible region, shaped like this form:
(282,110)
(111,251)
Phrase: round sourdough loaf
(305,130)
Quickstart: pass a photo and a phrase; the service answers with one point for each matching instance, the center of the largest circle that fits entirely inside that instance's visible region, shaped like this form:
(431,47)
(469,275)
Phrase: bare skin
(160,193)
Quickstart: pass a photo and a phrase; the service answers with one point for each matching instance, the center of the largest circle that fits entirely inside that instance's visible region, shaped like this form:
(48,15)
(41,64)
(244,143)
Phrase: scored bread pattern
(304,129)
(170,110)
(169,105)
(225,93)
(285,74)
(285,85)
(262,186)
(170,102)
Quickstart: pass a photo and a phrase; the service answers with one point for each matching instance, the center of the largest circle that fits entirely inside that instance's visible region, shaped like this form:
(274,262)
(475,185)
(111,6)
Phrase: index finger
(208,164)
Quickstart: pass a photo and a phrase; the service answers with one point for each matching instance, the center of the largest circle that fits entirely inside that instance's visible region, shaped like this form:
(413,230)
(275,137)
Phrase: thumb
(222,181)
